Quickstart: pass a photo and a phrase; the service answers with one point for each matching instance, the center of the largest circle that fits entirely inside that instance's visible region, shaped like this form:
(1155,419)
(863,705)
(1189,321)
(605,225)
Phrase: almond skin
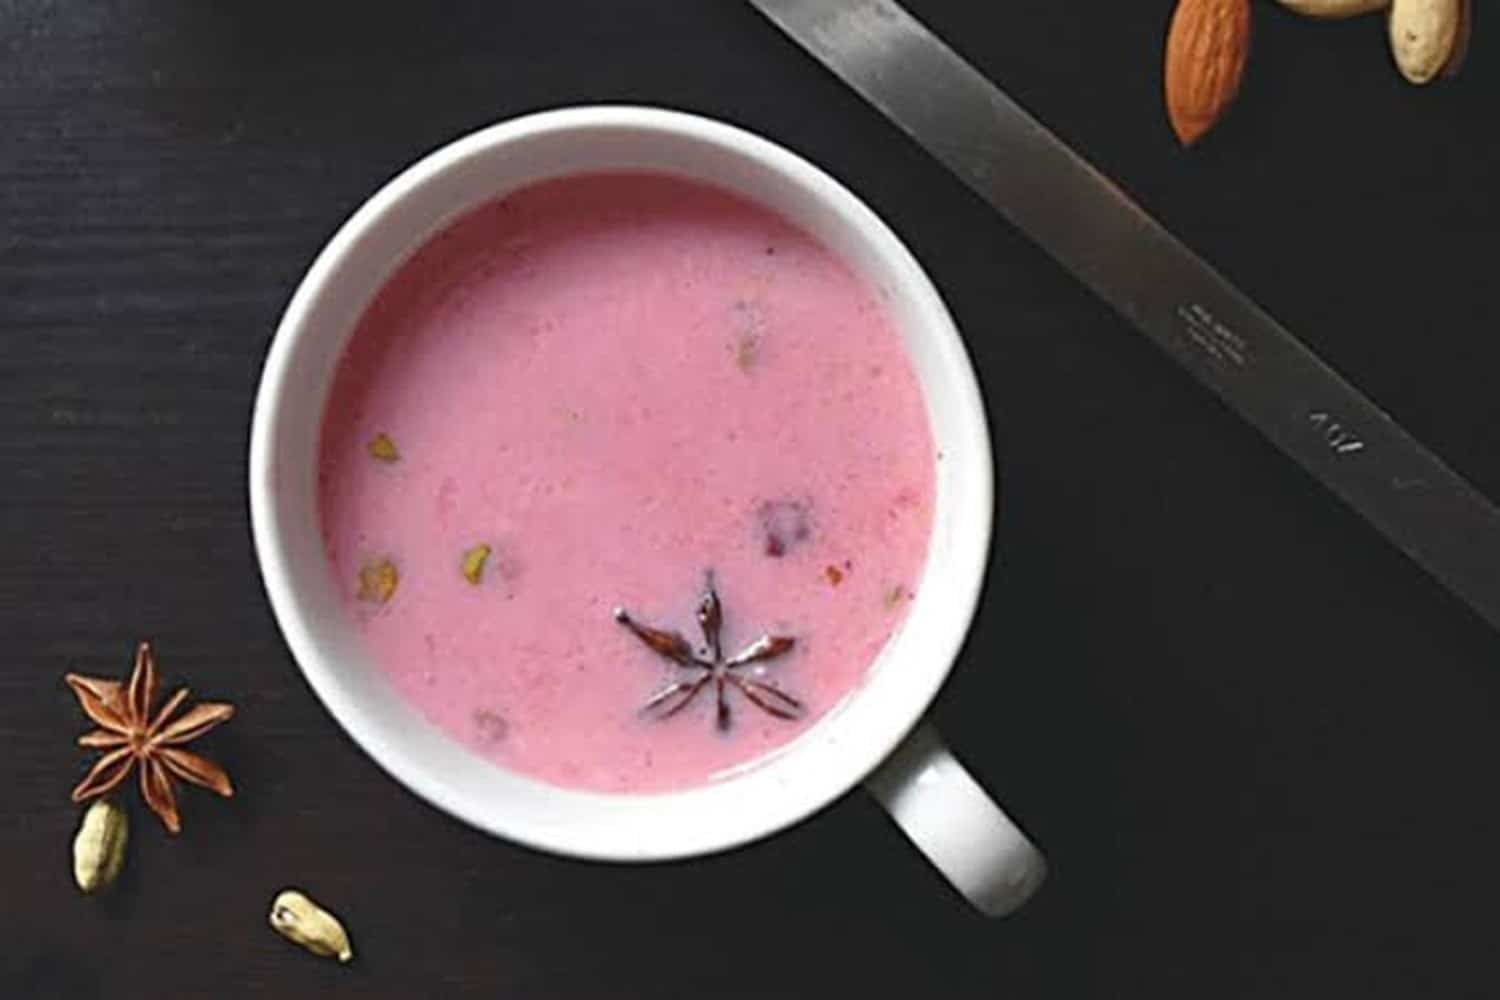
(1426,36)
(1207,46)
(1330,10)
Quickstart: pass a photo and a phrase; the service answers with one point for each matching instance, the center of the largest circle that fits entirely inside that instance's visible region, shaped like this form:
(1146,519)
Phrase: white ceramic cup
(875,735)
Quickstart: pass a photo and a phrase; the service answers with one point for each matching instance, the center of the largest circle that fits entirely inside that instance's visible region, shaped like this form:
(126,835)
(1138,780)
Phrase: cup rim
(849,756)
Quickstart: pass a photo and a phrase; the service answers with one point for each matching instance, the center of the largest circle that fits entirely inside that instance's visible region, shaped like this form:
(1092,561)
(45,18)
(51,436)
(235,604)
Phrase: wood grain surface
(1256,743)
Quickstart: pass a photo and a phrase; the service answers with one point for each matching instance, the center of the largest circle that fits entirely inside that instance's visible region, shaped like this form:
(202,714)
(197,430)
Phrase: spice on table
(131,734)
(300,920)
(712,665)
(99,847)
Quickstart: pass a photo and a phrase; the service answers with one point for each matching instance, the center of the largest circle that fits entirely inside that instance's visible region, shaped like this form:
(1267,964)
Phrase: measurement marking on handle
(1339,436)
(1215,339)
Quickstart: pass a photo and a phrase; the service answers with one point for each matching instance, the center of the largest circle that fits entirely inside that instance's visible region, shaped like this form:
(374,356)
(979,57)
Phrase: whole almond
(1207,46)
(1334,9)
(1425,36)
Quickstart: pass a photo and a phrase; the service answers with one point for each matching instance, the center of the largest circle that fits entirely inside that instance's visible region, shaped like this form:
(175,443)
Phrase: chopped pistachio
(377,581)
(383,449)
(894,595)
(473,563)
(746,351)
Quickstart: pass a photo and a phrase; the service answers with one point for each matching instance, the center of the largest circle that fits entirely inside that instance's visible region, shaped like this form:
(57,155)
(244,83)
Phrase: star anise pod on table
(712,666)
(131,734)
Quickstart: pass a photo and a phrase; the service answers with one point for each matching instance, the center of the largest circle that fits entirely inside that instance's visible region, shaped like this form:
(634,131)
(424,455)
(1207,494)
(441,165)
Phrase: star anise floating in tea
(711,666)
(132,734)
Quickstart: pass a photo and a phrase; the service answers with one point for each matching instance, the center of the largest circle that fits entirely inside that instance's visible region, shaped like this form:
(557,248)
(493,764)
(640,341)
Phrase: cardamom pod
(299,919)
(99,848)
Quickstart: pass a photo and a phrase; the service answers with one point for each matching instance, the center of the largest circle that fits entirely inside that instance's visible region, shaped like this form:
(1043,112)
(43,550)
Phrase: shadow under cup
(835,753)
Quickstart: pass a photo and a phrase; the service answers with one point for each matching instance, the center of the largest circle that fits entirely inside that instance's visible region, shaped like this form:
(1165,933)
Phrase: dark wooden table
(1257,744)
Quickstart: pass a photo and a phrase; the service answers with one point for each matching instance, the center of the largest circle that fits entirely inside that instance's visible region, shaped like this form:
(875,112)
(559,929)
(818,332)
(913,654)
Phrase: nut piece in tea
(491,725)
(99,848)
(746,351)
(473,563)
(383,449)
(300,920)
(784,524)
(377,581)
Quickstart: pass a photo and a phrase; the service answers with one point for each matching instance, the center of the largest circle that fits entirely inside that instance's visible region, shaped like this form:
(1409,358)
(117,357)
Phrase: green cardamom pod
(99,848)
(299,919)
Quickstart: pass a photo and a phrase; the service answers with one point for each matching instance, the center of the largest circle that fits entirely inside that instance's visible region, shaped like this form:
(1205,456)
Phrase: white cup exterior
(840,749)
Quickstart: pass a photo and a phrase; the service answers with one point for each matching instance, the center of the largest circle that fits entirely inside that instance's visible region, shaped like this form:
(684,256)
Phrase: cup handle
(939,805)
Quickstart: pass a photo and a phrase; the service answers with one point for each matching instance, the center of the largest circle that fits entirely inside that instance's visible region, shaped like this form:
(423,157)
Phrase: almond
(1207,46)
(1334,9)
(1426,36)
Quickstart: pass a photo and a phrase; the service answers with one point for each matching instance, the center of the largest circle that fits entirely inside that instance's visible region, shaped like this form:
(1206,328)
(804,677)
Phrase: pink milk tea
(603,392)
